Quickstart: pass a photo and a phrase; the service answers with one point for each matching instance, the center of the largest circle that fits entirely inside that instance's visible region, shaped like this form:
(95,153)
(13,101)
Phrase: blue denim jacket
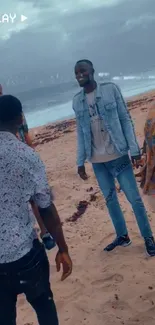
(113,110)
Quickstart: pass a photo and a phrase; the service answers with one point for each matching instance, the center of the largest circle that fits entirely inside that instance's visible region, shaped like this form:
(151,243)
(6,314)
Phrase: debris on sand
(81,208)
(53,132)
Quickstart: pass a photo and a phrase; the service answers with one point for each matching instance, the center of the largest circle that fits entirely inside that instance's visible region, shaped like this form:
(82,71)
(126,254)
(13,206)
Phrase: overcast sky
(118,35)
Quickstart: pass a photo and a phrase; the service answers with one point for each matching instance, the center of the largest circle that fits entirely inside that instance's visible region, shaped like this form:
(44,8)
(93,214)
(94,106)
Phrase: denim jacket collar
(98,93)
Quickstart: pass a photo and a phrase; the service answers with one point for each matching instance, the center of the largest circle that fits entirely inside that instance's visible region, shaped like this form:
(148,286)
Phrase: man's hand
(137,161)
(82,172)
(65,260)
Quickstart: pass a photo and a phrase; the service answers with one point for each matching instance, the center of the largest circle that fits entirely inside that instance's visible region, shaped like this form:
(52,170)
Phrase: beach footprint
(114,278)
(145,302)
(107,283)
(75,291)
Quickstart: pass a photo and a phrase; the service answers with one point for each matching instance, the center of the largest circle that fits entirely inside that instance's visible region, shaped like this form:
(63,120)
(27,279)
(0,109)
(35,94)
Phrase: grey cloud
(100,34)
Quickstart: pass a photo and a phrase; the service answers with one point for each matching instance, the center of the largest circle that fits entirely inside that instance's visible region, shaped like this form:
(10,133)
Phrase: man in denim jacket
(105,136)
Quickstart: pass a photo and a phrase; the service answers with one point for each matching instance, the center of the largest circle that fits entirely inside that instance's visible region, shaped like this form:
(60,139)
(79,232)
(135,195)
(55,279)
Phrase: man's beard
(86,83)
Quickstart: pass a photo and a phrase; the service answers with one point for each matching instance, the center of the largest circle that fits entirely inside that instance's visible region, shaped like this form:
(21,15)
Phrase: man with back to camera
(105,134)
(24,266)
(23,135)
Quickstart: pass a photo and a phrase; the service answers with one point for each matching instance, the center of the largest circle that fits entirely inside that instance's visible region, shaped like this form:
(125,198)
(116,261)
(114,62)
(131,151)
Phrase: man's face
(83,73)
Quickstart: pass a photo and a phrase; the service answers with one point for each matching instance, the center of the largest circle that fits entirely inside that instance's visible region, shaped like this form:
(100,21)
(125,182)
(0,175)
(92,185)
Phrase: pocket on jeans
(34,278)
(120,164)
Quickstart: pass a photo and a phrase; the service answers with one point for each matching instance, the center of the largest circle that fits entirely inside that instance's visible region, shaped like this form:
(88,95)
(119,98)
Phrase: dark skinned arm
(53,224)
(43,199)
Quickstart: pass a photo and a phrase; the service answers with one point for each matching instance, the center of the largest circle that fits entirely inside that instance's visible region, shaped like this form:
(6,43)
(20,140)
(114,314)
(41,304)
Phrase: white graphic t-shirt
(103,149)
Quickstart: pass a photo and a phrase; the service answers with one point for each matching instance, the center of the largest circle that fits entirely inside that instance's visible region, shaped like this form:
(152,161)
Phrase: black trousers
(28,275)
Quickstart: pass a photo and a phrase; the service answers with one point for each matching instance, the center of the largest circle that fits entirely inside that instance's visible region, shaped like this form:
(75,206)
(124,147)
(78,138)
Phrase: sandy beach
(105,288)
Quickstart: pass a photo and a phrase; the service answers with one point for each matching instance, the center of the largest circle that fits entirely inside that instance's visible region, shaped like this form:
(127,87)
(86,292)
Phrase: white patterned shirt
(22,177)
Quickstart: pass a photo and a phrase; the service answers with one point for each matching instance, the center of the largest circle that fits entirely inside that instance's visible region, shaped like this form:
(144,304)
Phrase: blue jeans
(121,169)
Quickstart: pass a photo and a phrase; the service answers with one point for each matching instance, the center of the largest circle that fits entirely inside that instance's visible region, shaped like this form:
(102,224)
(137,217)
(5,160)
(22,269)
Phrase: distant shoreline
(144,93)
(129,100)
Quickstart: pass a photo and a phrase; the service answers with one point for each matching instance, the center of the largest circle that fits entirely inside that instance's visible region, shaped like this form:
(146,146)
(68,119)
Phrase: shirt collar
(7,135)
(97,93)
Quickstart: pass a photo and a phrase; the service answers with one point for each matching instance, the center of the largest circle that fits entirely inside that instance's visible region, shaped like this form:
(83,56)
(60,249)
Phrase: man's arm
(52,223)
(126,123)
(81,153)
(48,212)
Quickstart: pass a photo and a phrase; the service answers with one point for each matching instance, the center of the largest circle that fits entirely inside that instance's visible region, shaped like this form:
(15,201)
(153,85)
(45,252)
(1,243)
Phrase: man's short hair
(85,61)
(10,108)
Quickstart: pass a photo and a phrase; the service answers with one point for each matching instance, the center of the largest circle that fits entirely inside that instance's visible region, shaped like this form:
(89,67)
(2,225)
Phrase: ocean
(59,107)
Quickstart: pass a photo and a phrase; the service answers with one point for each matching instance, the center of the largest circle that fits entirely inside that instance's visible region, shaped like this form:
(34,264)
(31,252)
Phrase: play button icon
(23,18)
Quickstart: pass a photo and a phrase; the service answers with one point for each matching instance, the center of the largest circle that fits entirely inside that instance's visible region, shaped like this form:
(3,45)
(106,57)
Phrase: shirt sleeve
(81,152)
(126,123)
(42,193)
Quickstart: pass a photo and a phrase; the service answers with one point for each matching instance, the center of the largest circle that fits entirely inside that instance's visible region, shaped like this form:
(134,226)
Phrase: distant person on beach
(147,172)
(23,135)
(24,266)
(105,135)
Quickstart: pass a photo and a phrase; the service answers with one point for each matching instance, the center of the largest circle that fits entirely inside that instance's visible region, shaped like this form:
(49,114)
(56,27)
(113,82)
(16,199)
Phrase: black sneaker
(119,241)
(150,246)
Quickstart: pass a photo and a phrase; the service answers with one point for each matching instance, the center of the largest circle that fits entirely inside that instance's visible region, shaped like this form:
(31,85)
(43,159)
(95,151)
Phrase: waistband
(26,259)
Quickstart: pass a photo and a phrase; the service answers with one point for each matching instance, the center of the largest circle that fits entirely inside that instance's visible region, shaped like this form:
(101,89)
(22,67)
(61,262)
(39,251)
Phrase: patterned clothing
(22,130)
(148,171)
(23,177)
